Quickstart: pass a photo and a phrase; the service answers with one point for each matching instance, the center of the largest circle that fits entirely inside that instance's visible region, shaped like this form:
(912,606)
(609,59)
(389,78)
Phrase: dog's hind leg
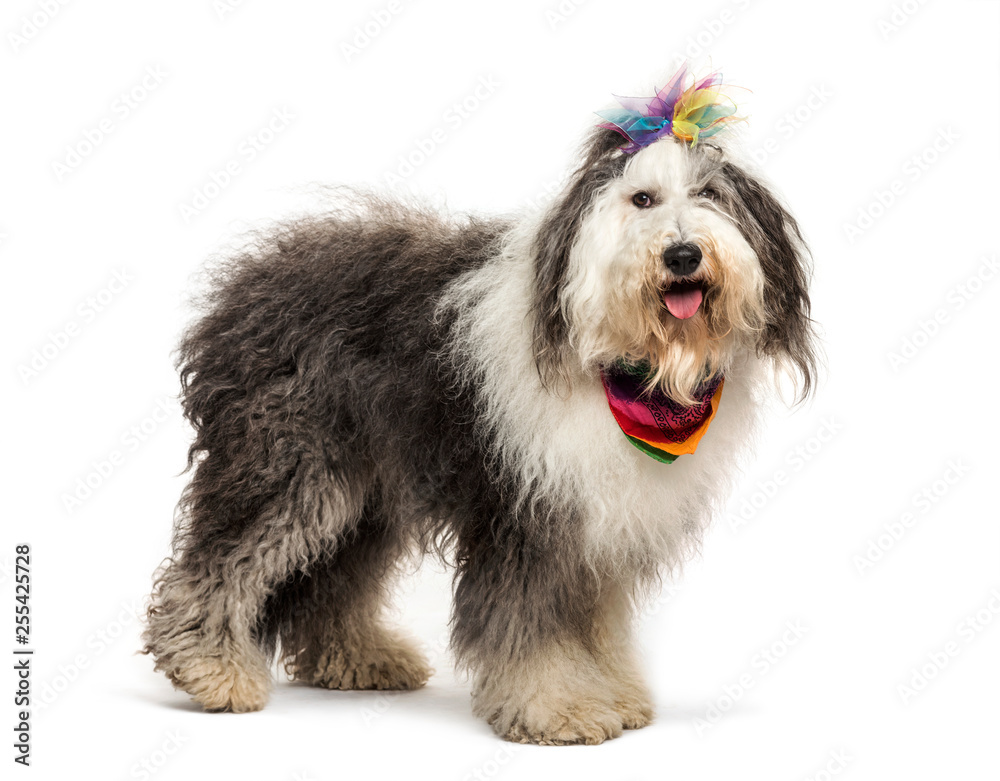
(330,618)
(242,537)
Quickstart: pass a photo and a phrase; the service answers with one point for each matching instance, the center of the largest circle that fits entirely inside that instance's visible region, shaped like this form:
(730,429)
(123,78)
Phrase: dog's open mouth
(683,299)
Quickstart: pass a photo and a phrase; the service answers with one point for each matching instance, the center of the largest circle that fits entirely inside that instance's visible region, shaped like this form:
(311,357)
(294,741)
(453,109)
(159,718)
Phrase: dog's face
(673,255)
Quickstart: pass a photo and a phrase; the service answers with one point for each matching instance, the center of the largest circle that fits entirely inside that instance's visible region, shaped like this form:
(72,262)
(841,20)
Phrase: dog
(556,402)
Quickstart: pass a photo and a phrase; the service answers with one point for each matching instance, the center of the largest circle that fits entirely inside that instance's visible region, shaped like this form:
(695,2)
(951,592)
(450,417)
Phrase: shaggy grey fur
(336,432)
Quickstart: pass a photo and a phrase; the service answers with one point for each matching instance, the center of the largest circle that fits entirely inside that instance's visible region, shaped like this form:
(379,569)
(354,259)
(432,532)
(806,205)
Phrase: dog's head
(674,255)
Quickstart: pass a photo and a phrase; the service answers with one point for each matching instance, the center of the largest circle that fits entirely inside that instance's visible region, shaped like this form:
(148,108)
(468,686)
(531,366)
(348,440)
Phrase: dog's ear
(553,243)
(781,251)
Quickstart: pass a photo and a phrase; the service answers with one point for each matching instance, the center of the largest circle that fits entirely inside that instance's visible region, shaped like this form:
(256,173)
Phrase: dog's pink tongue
(683,303)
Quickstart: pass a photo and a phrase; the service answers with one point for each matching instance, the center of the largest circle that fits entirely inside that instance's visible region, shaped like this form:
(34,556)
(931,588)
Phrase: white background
(869,86)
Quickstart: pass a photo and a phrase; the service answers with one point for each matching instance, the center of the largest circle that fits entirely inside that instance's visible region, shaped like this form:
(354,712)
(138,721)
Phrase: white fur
(617,275)
(567,447)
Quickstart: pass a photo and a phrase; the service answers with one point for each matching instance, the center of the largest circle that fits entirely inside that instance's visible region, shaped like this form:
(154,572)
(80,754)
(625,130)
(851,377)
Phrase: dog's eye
(709,193)
(642,200)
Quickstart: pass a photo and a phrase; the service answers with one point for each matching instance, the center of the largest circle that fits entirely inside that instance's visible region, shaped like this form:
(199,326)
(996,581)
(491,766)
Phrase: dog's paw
(559,724)
(635,712)
(557,697)
(384,661)
(225,686)
(631,698)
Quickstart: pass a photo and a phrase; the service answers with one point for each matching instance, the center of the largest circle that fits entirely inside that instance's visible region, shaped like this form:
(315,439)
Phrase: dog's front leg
(547,643)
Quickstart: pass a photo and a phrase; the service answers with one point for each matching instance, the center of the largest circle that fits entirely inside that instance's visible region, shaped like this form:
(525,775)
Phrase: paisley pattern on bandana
(656,424)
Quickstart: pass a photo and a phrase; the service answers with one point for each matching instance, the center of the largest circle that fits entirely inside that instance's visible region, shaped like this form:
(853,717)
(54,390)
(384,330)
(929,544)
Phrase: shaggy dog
(382,380)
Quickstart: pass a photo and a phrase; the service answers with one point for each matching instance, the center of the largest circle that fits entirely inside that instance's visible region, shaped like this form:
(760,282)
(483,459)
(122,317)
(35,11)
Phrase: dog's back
(328,321)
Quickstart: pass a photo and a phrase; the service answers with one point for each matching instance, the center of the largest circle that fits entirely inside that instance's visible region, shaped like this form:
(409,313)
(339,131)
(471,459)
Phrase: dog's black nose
(682,259)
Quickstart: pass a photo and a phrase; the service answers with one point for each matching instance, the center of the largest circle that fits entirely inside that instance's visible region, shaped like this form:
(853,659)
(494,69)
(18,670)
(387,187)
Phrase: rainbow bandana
(656,424)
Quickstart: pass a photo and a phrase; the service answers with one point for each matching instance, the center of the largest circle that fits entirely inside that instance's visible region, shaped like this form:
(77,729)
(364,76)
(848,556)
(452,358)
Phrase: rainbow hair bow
(688,113)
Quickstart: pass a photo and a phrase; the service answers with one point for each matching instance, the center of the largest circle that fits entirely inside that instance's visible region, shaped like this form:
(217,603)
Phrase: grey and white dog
(382,380)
